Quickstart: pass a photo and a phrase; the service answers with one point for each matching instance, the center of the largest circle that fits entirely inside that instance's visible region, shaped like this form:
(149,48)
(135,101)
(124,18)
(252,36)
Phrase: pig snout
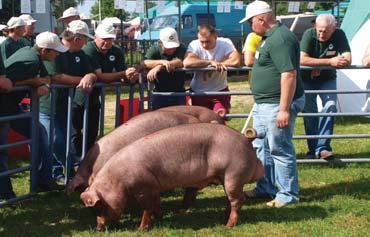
(77,183)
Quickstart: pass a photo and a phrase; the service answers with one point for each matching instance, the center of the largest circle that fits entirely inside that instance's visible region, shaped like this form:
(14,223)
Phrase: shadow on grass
(359,188)
(54,214)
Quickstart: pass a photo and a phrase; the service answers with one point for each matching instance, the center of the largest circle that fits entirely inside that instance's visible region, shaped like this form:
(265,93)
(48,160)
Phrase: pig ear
(89,198)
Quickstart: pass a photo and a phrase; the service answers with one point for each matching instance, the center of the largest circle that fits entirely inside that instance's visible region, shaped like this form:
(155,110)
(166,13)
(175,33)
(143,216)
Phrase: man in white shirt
(211,51)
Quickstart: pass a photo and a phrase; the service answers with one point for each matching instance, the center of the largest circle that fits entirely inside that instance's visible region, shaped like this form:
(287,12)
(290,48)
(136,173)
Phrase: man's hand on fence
(152,74)
(131,74)
(169,65)
(42,90)
(339,62)
(5,84)
(220,67)
(86,84)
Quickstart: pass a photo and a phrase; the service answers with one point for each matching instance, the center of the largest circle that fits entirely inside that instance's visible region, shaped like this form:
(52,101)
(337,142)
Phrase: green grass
(335,201)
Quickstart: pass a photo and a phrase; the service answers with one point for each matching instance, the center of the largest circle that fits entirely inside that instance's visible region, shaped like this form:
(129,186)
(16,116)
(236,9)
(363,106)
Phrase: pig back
(204,114)
(182,156)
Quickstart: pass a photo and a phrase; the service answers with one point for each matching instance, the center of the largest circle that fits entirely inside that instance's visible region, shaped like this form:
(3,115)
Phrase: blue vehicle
(192,15)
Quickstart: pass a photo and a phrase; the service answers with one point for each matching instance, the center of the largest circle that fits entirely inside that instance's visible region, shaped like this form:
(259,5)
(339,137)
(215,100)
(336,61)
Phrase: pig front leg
(150,203)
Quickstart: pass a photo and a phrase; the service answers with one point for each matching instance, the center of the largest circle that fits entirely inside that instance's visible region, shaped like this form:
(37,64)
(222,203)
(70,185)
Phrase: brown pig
(191,155)
(130,131)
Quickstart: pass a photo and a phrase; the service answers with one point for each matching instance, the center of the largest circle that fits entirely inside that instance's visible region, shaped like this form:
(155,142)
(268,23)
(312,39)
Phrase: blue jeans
(165,101)
(320,125)
(276,152)
(59,140)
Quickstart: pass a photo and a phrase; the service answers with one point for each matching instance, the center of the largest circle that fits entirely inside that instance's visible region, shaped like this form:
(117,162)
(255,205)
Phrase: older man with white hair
(322,45)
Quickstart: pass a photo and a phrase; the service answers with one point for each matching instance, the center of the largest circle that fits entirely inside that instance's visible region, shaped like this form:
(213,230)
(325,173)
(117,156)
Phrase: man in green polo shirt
(162,60)
(107,59)
(279,96)
(25,67)
(71,68)
(323,45)
(12,43)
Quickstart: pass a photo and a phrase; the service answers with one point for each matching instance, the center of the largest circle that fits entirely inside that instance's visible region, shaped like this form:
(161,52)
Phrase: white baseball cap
(3,27)
(69,12)
(105,31)
(79,27)
(169,38)
(15,22)
(256,8)
(50,40)
(28,19)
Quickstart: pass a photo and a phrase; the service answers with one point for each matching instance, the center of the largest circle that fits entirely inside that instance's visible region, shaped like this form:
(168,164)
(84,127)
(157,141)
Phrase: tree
(10,8)
(107,10)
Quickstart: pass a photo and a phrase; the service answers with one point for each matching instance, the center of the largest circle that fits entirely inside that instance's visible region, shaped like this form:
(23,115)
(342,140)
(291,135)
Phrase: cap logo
(171,37)
(112,58)
(77,59)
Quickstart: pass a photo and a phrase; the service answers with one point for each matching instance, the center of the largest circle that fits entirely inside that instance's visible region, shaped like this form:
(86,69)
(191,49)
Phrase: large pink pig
(132,130)
(191,155)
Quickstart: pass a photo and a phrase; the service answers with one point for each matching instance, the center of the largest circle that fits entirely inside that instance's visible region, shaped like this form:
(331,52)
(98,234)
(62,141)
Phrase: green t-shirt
(22,65)
(336,45)
(10,46)
(166,81)
(28,41)
(74,64)
(112,61)
(277,53)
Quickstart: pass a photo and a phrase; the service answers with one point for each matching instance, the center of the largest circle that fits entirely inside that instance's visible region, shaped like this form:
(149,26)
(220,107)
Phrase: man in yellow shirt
(250,47)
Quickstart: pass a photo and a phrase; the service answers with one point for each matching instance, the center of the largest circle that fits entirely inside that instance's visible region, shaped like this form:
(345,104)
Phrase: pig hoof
(185,211)
(144,228)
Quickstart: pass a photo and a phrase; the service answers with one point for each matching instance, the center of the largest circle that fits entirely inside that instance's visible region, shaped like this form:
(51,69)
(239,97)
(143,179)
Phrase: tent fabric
(357,14)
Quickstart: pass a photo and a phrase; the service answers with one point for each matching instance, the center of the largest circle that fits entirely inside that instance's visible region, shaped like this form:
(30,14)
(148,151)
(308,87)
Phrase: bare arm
(366,58)
(248,58)
(232,60)
(193,61)
(110,77)
(288,86)
(34,82)
(169,65)
(338,61)
(66,79)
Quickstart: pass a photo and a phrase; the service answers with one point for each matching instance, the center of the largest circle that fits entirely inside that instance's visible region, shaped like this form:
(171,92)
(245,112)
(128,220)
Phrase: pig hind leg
(150,203)
(235,198)
(189,198)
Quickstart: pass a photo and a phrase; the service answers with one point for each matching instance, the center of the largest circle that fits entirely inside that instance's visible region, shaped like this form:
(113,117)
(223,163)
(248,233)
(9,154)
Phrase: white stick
(248,120)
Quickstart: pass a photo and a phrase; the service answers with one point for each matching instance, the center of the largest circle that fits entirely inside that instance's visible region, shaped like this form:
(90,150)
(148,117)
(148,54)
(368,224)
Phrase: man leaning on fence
(323,45)
(25,67)
(107,59)
(71,68)
(278,94)
(162,61)
(209,50)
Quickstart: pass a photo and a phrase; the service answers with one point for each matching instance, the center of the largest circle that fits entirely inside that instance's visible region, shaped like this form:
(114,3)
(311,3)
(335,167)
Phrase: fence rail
(34,119)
